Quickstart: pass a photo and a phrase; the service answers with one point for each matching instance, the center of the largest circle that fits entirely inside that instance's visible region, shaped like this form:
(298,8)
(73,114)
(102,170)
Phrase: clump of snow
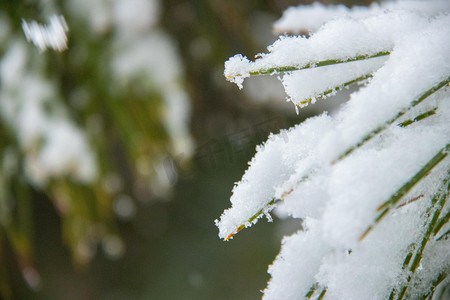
(295,248)
(53,35)
(339,40)
(236,69)
(309,18)
(335,172)
(274,157)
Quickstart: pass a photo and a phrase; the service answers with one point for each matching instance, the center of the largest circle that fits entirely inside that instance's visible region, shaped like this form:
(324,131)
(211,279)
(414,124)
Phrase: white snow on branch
(53,35)
(335,172)
(339,40)
(305,86)
(309,18)
(393,86)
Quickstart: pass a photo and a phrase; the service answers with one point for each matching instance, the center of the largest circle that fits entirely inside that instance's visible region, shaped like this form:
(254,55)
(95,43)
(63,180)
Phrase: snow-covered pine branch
(309,18)
(371,183)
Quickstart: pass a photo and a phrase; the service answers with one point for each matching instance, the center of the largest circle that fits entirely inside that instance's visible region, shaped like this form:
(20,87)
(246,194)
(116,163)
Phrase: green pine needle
(282,69)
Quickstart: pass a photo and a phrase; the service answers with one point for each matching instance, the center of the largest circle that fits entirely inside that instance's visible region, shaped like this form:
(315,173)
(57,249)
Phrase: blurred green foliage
(50,234)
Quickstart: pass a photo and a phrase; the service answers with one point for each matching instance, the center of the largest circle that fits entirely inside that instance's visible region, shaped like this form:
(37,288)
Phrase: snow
(53,144)
(275,157)
(340,40)
(336,191)
(295,249)
(50,36)
(305,86)
(309,18)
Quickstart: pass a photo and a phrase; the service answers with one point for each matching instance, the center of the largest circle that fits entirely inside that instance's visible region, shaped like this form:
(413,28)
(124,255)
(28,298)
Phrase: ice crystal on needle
(372,181)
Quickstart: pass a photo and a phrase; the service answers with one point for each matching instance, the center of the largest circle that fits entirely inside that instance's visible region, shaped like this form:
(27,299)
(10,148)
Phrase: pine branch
(365,139)
(444,236)
(443,221)
(418,118)
(441,277)
(338,88)
(437,204)
(252,218)
(322,294)
(381,128)
(387,206)
(313,289)
(282,69)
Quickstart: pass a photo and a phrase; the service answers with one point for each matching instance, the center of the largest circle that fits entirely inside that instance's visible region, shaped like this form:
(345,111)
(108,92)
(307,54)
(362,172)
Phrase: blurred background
(118,153)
